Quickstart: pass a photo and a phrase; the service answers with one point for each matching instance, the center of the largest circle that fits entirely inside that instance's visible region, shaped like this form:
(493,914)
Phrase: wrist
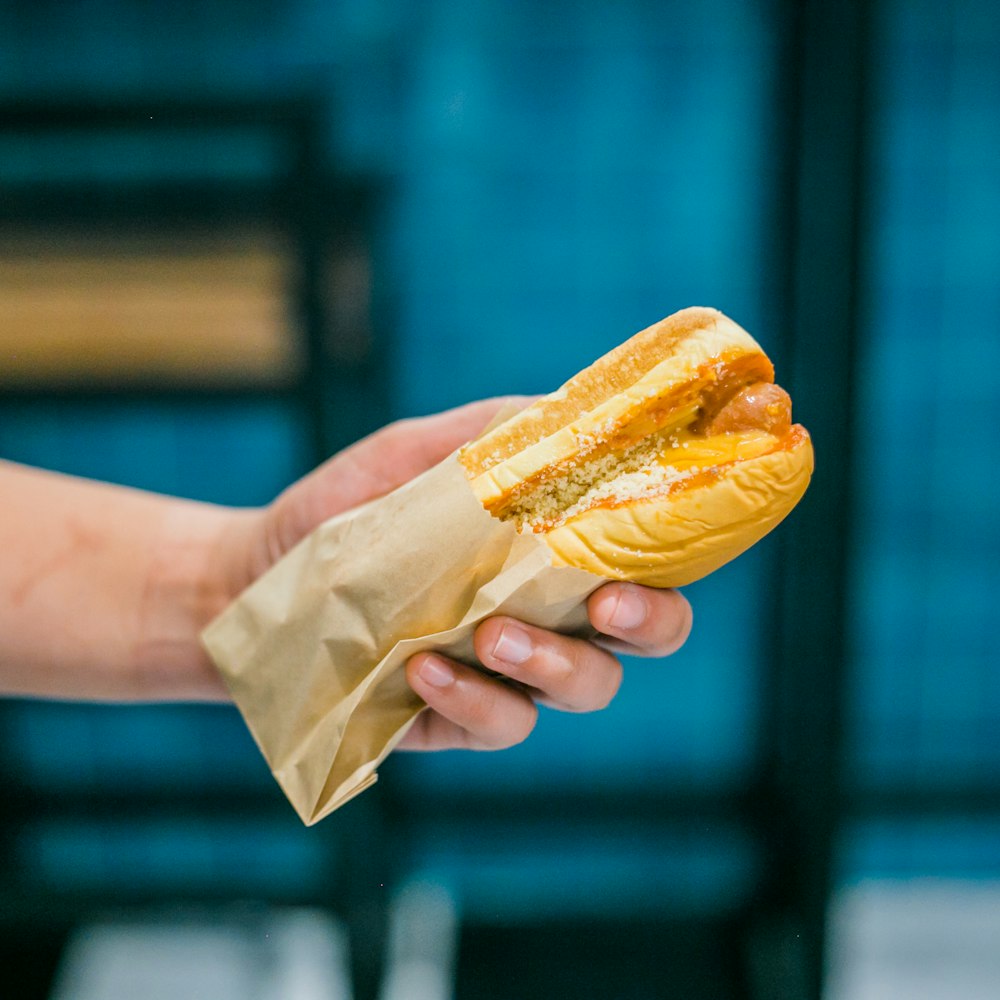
(198,564)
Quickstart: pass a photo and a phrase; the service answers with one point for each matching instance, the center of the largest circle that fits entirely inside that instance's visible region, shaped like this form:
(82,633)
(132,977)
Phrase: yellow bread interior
(662,459)
(616,474)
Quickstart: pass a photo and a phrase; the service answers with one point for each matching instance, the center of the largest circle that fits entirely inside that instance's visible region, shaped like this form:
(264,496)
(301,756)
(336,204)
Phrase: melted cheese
(694,451)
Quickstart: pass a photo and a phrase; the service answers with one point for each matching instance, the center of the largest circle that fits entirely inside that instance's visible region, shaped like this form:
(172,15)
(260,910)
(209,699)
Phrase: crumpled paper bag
(313,652)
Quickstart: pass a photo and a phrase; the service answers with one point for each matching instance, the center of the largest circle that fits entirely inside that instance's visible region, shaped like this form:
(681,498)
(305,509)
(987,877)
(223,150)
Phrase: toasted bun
(672,541)
(661,461)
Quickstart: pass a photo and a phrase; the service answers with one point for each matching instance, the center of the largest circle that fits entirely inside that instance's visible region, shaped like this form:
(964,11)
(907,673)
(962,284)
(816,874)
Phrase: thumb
(420,442)
(376,465)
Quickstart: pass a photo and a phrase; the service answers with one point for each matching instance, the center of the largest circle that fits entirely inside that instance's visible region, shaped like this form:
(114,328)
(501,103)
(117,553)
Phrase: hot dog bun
(661,461)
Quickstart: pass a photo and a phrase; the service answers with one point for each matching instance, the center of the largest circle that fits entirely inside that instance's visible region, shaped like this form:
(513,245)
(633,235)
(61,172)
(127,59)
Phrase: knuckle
(566,666)
(498,717)
(613,682)
(481,710)
(604,686)
(594,677)
(675,627)
(392,433)
(577,670)
(525,726)
(513,729)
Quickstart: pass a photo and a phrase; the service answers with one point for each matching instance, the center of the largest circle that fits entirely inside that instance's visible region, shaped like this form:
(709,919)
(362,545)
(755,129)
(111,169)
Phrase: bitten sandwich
(661,461)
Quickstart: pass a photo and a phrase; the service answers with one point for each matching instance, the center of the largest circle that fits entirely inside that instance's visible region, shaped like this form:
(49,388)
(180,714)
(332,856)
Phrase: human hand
(476,711)
(104,591)
(530,666)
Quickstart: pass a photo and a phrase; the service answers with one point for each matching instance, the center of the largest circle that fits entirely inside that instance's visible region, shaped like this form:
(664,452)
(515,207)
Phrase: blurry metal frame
(795,804)
(326,216)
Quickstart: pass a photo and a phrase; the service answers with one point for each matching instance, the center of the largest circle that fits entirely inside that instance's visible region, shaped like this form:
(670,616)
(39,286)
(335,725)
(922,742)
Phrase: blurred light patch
(160,310)
(257,954)
(924,939)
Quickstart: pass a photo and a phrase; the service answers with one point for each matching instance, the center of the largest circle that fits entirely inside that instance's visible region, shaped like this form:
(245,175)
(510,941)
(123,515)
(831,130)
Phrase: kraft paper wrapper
(313,652)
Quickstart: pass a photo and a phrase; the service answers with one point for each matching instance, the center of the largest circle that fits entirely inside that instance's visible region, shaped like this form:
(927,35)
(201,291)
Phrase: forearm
(103,590)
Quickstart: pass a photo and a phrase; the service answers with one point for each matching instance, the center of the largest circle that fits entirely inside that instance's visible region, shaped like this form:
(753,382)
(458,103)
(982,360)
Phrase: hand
(469,709)
(206,556)
(368,469)
(466,707)
(105,590)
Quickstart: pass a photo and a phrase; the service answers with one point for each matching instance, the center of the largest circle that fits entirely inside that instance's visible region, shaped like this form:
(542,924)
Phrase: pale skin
(104,590)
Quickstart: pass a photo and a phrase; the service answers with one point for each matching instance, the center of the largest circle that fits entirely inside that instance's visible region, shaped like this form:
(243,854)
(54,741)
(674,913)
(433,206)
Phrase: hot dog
(658,463)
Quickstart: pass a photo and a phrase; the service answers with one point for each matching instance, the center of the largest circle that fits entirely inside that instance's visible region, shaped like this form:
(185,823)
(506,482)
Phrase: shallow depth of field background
(542,180)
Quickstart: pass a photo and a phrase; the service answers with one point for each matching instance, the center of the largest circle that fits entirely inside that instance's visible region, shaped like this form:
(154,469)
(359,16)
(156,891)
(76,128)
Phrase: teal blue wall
(557,179)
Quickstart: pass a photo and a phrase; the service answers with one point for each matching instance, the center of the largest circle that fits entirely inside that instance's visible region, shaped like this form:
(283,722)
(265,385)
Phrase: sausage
(761,406)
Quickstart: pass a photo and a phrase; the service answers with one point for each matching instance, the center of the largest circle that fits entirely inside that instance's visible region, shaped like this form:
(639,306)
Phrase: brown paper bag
(313,651)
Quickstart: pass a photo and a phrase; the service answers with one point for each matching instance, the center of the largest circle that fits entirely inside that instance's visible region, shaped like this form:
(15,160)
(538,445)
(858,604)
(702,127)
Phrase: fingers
(468,709)
(476,710)
(639,621)
(472,709)
(569,674)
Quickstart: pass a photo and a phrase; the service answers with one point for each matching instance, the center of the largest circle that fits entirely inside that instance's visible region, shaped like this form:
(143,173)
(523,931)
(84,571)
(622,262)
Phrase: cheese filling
(653,466)
(690,445)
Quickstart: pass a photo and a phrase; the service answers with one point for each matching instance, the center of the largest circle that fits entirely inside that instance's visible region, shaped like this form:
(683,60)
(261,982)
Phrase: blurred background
(237,236)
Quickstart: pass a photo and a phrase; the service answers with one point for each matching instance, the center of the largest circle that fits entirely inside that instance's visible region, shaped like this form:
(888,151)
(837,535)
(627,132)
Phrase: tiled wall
(557,181)
(927,692)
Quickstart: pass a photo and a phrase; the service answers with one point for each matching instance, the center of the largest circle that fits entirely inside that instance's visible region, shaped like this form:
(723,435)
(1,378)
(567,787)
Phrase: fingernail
(630,611)
(513,645)
(434,671)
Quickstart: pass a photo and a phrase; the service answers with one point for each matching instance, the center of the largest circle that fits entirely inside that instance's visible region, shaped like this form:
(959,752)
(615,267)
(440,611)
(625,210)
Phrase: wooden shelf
(185,311)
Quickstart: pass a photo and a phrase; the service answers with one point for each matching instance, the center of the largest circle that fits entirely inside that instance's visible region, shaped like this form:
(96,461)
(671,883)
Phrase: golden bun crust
(658,463)
(673,541)
(647,365)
